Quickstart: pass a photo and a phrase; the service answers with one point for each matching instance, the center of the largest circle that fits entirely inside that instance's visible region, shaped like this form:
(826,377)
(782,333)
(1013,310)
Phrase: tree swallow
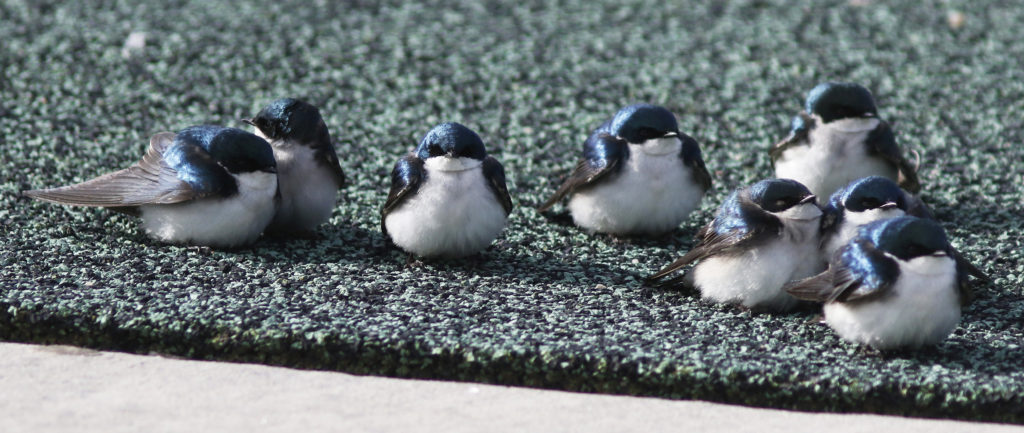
(839,138)
(638,175)
(896,285)
(205,185)
(862,201)
(448,198)
(763,237)
(871,199)
(308,171)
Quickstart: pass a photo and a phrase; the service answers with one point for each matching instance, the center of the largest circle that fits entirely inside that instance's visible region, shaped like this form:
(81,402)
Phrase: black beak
(270,170)
(868,115)
(888,205)
(809,199)
(247,121)
(670,134)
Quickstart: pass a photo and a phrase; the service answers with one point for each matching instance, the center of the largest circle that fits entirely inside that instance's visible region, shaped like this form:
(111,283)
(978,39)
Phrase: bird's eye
(648,133)
(915,250)
(436,151)
(781,203)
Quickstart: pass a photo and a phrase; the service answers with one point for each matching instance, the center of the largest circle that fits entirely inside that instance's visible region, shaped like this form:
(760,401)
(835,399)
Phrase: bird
(860,202)
(308,171)
(639,175)
(448,198)
(762,237)
(896,285)
(205,185)
(838,138)
(871,199)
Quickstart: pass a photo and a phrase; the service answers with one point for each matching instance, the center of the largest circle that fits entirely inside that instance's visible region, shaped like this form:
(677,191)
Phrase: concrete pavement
(64,389)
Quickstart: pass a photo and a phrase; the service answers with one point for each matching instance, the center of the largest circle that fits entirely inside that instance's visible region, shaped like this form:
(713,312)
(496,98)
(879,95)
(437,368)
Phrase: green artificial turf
(547,305)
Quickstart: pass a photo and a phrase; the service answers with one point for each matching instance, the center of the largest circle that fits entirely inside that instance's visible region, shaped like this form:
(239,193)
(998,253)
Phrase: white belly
(453,214)
(231,222)
(308,190)
(852,221)
(835,157)
(923,309)
(651,194)
(755,278)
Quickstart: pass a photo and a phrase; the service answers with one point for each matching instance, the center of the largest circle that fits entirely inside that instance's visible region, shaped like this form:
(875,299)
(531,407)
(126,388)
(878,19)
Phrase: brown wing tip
(547,205)
(51,195)
(911,185)
(976,272)
(667,270)
(804,290)
(654,280)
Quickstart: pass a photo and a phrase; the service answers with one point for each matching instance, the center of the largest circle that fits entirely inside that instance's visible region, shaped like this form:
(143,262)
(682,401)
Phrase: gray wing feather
(150,181)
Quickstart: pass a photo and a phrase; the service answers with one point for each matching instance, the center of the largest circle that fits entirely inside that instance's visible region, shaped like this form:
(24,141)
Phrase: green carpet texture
(547,305)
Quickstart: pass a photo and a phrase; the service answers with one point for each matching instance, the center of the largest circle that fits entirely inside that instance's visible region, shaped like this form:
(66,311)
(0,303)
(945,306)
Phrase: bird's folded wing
(691,156)
(406,178)
(734,229)
(606,152)
(150,181)
(917,207)
(870,276)
(495,176)
(329,158)
(799,130)
(882,142)
(968,267)
(817,288)
(710,243)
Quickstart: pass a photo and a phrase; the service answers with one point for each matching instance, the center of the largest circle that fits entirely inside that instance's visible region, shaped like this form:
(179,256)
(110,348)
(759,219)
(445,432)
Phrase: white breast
(835,157)
(454,213)
(755,278)
(652,193)
(923,308)
(308,189)
(230,222)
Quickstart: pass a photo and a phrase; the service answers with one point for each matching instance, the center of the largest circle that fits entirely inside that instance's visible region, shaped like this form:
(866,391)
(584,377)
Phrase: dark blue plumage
(774,195)
(838,138)
(897,284)
(292,119)
(834,101)
(205,156)
(406,178)
(873,192)
(747,211)
(603,149)
(907,237)
(869,193)
(607,146)
(800,126)
(866,267)
(869,266)
(205,185)
(607,150)
(741,213)
(447,198)
(640,122)
(451,139)
(309,170)
(692,157)
(762,237)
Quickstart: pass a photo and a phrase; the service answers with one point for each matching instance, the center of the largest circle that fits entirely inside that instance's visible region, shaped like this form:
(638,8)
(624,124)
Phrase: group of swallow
(873,255)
